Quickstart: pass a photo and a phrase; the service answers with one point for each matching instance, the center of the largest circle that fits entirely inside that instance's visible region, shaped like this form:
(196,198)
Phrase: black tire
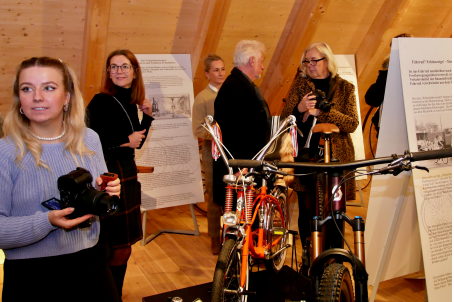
(336,285)
(227,274)
(275,220)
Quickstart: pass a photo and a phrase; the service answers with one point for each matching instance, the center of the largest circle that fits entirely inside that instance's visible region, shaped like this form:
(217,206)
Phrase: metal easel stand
(154,235)
(357,204)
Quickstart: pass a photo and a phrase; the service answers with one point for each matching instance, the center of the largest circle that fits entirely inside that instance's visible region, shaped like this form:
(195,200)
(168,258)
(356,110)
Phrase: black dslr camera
(321,104)
(76,191)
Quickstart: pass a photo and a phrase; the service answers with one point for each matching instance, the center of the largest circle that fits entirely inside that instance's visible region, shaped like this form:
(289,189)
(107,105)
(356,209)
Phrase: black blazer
(242,117)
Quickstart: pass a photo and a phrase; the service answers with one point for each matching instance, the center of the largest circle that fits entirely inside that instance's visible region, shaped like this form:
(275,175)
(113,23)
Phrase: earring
(21,111)
(65,107)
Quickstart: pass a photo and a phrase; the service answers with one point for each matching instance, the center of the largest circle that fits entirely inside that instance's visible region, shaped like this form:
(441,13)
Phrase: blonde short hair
(326,52)
(246,49)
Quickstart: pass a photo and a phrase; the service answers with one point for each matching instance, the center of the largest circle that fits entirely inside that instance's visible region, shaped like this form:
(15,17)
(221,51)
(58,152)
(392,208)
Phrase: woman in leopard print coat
(319,71)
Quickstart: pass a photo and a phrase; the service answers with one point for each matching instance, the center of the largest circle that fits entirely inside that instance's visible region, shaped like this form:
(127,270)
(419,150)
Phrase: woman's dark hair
(137,87)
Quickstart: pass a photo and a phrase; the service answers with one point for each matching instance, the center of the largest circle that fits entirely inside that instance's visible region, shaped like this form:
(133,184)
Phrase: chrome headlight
(229,218)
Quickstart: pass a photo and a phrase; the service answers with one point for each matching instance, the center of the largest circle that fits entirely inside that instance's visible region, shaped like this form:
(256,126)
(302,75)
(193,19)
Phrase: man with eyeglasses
(241,111)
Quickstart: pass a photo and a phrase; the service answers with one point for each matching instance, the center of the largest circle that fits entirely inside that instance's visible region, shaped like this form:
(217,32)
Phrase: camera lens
(98,203)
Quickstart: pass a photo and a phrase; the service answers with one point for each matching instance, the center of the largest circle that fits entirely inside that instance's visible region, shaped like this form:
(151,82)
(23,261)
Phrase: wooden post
(379,35)
(97,16)
(209,43)
(279,76)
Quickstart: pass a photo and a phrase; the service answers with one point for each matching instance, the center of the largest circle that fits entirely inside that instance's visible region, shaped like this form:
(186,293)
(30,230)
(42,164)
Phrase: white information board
(417,109)
(426,71)
(347,71)
(170,146)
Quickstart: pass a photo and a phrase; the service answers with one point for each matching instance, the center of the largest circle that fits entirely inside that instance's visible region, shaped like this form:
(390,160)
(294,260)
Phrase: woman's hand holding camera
(135,139)
(58,218)
(308,102)
(113,187)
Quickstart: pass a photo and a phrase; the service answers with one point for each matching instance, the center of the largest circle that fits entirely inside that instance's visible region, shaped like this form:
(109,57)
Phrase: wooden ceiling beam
(208,33)
(286,59)
(97,16)
(380,34)
(444,30)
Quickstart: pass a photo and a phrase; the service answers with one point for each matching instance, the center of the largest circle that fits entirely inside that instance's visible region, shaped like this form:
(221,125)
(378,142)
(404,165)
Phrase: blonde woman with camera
(319,71)
(48,257)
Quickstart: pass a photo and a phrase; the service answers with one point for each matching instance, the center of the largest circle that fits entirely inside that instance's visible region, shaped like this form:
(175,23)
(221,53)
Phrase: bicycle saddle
(325,128)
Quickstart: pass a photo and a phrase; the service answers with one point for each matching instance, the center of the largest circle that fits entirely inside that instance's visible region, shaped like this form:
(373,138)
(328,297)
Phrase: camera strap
(125,112)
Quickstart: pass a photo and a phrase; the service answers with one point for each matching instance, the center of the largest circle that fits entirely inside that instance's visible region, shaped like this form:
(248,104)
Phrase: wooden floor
(177,261)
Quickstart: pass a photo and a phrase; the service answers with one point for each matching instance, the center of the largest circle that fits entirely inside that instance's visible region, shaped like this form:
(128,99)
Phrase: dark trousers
(81,276)
(307,210)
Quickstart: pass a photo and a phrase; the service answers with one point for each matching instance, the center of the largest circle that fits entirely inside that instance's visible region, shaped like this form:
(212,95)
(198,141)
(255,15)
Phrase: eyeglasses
(311,62)
(124,68)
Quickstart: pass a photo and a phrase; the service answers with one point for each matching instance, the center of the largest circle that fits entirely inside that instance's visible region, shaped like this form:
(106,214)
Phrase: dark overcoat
(242,117)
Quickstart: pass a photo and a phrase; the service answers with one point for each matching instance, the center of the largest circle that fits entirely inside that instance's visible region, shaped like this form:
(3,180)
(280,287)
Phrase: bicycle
(240,240)
(330,279)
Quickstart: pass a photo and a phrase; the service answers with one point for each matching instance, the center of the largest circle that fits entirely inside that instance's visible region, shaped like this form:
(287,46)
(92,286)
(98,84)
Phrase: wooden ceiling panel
(38,28)
(346,23)
(153,26)
(262,20)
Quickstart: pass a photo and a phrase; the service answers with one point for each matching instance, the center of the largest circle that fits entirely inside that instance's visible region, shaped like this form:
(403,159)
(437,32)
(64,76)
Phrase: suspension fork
(357,225)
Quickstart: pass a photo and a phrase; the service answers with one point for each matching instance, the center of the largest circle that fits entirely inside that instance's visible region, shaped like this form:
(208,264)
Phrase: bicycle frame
(239,223)
(334,252)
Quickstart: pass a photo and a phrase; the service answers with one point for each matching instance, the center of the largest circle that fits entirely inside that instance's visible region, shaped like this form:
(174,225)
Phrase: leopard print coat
(343,114)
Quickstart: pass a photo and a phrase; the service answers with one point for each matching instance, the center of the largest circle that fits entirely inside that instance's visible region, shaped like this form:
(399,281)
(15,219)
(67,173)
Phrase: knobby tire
(336,285)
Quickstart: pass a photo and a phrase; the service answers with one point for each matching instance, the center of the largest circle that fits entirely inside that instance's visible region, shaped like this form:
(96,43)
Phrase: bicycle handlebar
(334,166)
(245,163)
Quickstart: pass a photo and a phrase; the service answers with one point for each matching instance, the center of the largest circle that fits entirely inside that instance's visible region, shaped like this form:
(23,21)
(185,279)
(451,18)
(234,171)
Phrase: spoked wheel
(278,238)
(336,285)
(227,275)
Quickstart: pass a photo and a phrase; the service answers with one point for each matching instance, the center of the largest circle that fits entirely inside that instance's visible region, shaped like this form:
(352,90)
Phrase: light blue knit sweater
(25,230)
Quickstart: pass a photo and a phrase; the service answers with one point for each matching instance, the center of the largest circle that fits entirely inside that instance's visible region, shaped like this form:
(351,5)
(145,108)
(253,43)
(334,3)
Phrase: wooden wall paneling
(190,25)
(390,13)
(216,18)
(262,20)
(444,30)
(345,23)
(278,78)
(38,28)
(418,17)
(370,53)
(97,15)
(153,27)
(201,33)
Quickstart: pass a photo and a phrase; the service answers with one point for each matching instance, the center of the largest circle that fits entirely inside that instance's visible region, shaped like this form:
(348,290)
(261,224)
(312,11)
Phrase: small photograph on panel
(434,132)
(169,106)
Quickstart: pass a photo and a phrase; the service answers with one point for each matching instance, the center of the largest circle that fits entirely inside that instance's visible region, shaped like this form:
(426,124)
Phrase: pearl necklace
(49,138)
